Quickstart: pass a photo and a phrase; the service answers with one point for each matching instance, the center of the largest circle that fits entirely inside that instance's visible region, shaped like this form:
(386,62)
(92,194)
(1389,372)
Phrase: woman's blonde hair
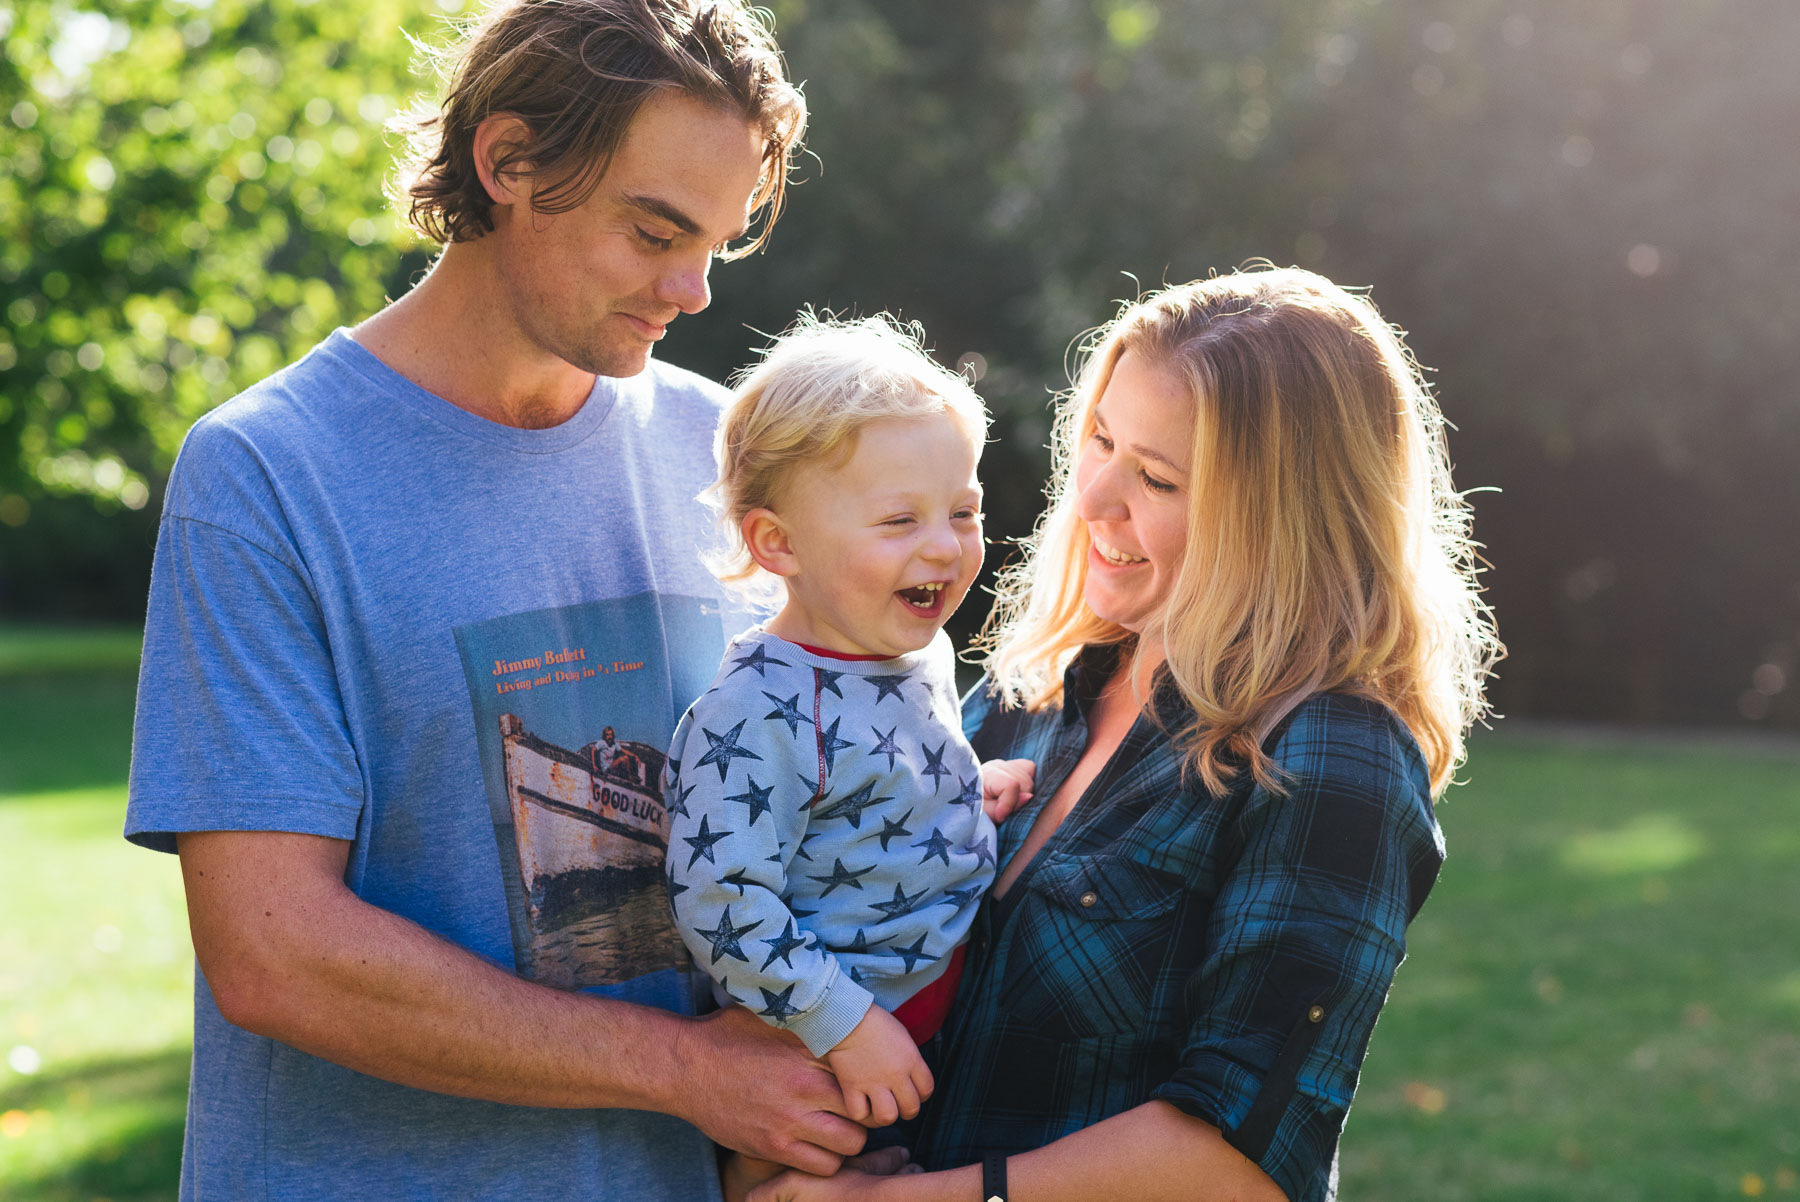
(1326,550)
(815,387)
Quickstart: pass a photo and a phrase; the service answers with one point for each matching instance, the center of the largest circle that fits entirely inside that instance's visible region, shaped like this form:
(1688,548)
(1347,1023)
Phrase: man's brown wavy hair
(575,72)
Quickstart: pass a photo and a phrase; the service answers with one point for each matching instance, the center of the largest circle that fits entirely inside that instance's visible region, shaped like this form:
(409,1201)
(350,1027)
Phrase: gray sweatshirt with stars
(827,845)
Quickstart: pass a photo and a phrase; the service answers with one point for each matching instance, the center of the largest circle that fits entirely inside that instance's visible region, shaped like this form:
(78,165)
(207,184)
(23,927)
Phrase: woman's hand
(1005,786)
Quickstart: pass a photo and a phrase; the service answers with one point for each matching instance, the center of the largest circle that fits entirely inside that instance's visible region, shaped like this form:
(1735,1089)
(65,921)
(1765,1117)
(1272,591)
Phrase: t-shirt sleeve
(1304,940)
(240,724)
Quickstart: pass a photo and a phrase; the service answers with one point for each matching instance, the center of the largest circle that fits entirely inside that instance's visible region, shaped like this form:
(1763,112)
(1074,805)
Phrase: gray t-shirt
(377,617)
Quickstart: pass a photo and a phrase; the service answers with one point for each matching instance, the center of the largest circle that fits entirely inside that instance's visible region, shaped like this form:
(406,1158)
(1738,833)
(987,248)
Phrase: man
(380,598)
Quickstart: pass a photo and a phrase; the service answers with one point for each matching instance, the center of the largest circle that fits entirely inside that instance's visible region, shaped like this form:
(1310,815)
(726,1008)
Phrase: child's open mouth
(925,599)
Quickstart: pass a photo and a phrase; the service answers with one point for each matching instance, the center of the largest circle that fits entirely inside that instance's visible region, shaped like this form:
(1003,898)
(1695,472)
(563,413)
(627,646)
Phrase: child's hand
(880,1071)
(1005,786)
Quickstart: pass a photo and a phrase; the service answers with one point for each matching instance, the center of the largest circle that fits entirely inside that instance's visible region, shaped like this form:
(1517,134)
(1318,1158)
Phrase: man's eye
(653,240)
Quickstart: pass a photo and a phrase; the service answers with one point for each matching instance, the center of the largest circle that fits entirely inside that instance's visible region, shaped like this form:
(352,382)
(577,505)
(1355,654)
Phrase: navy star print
(758,659)
(934,765)
(757,799)
(852,807)
(783,945)
(885,685)
(842,876)
(895,830)
(913,953)
(937,845)
(702,843)
(901,904)
(725,937)
(830,744)
(724,747)
(776,1006)
(885,745)
(787,711)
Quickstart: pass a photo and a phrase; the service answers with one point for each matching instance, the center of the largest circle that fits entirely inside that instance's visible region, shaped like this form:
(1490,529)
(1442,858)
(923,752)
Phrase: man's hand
(1005,786)
(754,1088)
(880,1071)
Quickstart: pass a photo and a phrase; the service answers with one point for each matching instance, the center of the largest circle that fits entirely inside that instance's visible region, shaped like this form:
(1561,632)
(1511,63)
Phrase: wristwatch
(993,1177)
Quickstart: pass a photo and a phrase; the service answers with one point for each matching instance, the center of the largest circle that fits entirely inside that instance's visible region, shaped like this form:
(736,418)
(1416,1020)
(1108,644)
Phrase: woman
(1243,649)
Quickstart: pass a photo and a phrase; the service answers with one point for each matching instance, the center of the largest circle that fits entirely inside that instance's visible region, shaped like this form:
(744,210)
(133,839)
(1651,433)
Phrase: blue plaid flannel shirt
(1228,954)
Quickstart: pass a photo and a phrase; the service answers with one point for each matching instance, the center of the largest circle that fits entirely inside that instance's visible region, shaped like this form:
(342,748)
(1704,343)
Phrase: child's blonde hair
(1327,549)
(815,387)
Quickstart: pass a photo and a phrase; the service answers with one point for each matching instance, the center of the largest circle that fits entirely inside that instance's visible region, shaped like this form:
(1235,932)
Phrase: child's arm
(733,840)
(1005,786)
(879,1068)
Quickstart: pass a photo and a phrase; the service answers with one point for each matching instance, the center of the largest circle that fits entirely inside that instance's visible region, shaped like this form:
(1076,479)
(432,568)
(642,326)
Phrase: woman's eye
(1102,441)
(653,240)
(1155,485)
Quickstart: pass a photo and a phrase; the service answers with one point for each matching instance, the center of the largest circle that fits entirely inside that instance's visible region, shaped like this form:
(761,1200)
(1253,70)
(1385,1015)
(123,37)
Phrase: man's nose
(686,286)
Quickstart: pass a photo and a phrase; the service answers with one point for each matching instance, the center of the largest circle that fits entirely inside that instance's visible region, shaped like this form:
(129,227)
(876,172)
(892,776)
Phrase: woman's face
(1131,484)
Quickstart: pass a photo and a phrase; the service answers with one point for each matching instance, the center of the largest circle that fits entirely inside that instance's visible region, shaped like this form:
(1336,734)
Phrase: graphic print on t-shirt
(573,711)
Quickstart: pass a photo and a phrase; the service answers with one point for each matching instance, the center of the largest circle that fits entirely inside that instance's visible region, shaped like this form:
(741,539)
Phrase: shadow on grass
(120,1121)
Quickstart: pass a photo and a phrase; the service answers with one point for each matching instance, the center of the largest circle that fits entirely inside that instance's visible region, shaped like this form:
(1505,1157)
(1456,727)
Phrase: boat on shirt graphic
(590,829)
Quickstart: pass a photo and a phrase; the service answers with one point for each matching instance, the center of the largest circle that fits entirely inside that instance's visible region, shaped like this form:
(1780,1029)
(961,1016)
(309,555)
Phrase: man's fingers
(809,1158)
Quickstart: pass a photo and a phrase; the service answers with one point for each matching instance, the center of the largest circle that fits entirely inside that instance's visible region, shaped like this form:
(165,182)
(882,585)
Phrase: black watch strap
(993,1177)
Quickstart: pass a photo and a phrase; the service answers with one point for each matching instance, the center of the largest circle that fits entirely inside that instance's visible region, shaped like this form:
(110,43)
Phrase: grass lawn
(1602,1000)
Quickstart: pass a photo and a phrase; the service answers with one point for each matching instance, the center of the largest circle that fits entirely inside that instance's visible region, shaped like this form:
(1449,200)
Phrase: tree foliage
(1577,210)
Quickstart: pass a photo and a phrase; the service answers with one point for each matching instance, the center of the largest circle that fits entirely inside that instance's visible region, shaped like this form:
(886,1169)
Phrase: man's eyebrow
(662,210)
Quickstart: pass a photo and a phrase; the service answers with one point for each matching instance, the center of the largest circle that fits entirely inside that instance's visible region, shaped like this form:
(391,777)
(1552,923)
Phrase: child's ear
(767,540)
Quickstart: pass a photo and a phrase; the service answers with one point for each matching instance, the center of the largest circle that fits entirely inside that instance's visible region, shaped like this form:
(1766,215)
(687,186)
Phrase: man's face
(597,286)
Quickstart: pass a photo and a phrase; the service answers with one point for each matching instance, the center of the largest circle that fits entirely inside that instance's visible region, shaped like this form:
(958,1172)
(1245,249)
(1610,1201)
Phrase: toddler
(829,840)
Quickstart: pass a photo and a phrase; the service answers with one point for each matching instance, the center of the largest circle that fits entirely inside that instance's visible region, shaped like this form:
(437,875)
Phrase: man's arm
(290,953)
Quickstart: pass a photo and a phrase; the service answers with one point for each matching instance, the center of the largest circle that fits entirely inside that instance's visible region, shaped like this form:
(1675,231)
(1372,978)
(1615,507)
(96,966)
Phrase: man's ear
(767,540)
(494,138)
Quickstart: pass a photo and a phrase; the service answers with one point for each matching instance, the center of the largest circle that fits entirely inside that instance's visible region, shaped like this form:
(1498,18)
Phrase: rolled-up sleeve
(1304,938)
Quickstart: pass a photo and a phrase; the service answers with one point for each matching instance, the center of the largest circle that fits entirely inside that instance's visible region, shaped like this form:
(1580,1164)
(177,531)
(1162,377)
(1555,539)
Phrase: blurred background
(1587,216)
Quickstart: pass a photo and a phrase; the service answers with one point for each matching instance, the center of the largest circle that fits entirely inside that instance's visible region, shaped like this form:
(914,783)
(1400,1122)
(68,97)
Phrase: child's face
(885,544)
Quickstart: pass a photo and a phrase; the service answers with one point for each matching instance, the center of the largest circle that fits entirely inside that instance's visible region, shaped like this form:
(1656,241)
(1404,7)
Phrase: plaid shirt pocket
(1091,937)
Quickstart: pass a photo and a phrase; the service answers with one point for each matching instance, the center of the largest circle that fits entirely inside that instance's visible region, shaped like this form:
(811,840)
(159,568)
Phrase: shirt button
(1316,1014)
(1089,898)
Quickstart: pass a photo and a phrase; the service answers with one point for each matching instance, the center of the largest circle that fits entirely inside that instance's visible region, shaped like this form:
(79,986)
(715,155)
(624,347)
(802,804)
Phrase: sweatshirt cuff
(836,1013)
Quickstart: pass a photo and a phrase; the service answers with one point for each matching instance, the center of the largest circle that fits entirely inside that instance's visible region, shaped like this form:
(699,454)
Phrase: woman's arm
(1149,1154)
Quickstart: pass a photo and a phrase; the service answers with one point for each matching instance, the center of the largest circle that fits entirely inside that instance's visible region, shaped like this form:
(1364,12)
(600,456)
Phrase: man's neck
(453,338)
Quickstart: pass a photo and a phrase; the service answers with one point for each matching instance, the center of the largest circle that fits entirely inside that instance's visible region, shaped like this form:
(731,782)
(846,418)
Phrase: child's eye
(653,240)
(967,515)
(900,521)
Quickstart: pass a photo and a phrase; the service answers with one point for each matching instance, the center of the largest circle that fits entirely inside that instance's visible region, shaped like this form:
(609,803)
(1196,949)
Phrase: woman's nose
(1097,495)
